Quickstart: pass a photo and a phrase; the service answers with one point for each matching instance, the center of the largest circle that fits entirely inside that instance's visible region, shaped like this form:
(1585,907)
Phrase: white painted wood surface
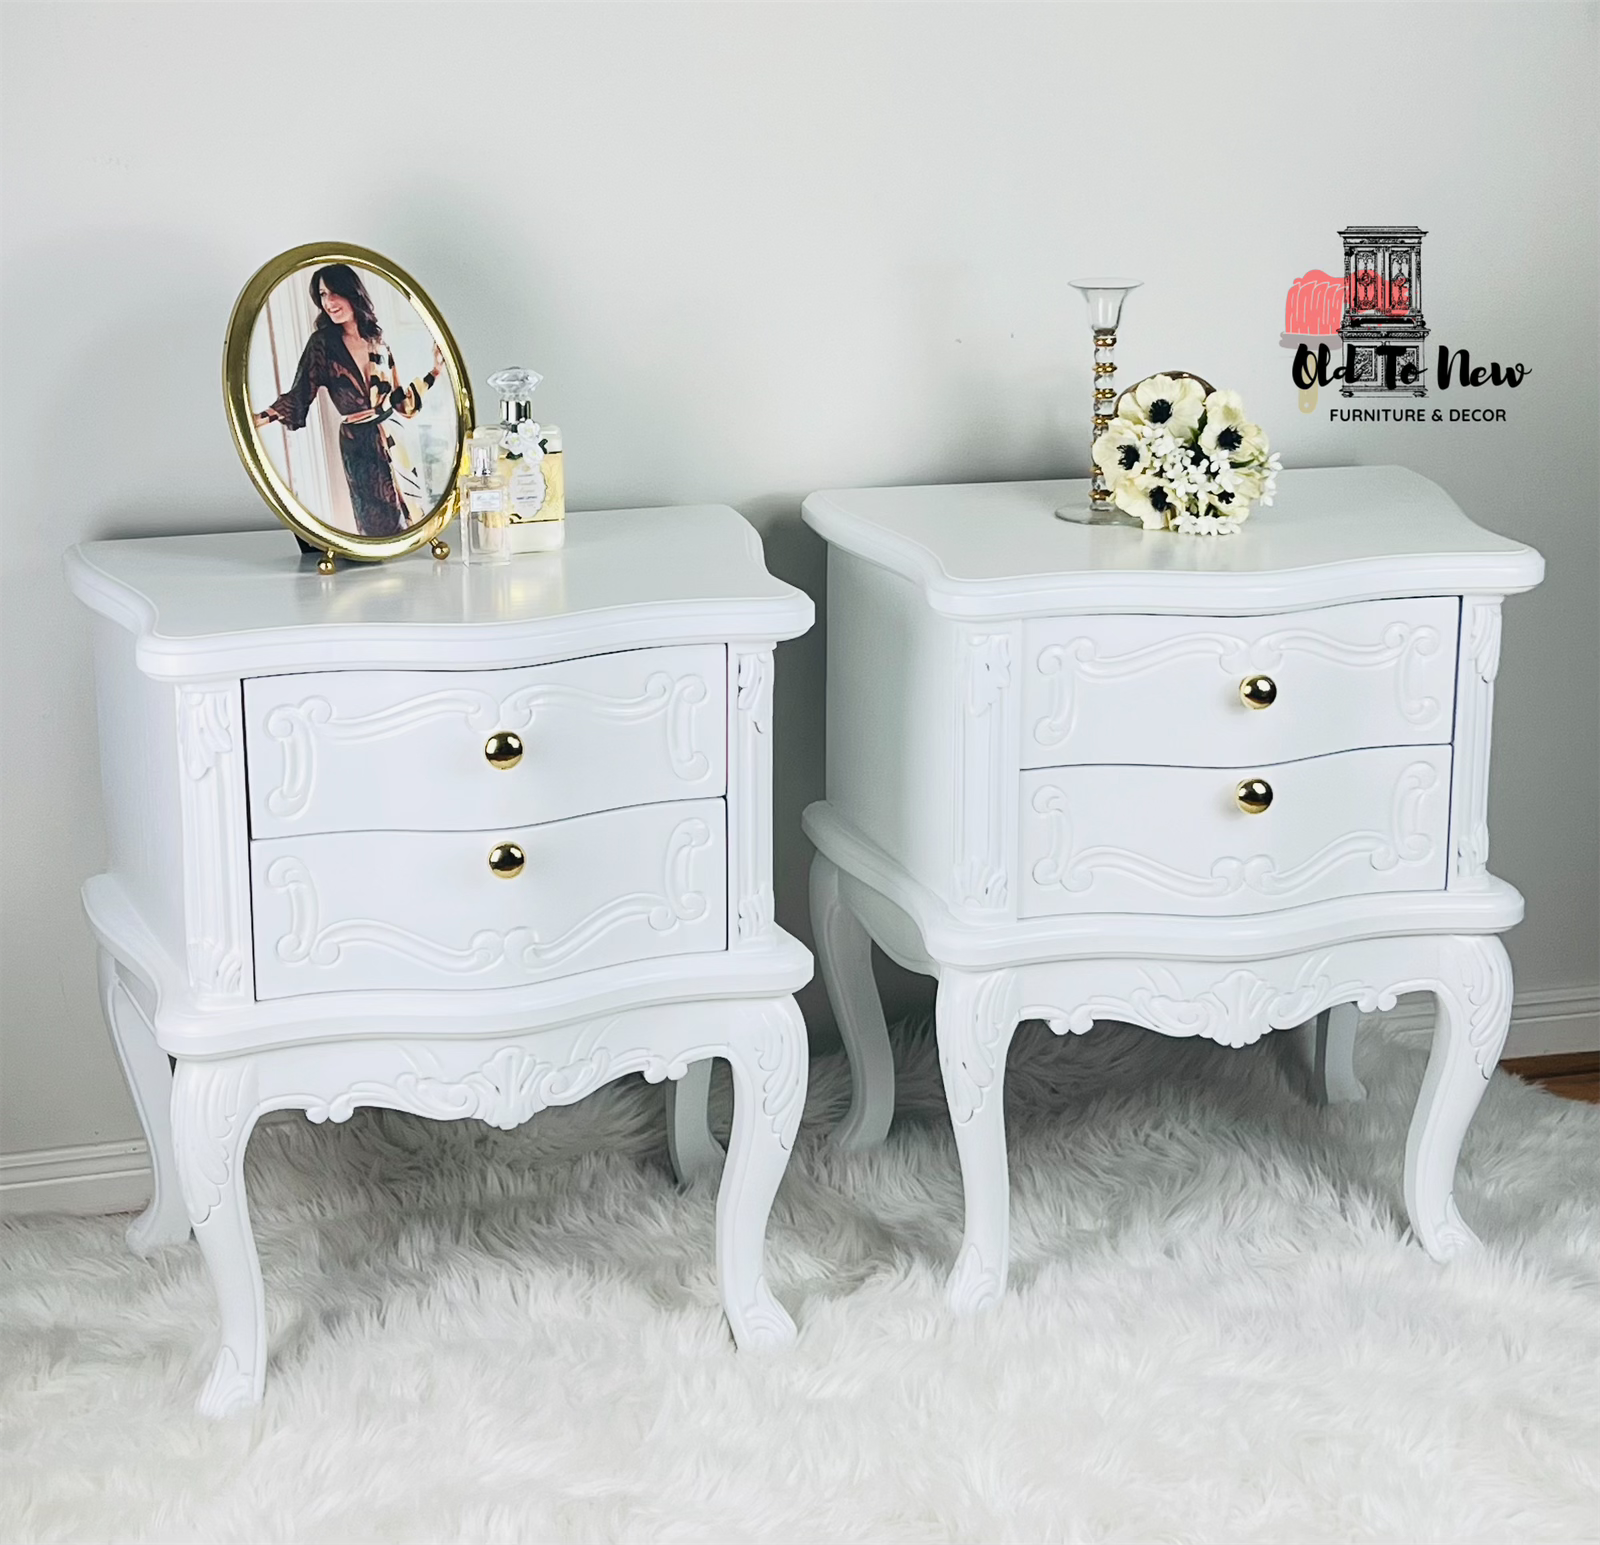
(1036,800)
(1167,689)
(335,751)
(346,910)
(1174,840)
(979,551)
(240,604)
(355,948)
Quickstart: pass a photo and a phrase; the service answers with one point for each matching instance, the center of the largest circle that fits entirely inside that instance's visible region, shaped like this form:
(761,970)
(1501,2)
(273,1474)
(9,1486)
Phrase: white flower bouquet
(1182,457)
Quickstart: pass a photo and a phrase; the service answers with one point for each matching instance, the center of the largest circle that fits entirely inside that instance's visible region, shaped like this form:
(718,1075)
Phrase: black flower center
(1160,411)
(1230,439)
(1129,457)
(1158,499)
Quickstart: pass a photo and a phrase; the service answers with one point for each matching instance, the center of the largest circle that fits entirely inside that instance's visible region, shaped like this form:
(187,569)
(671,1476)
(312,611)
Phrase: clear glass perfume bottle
(530,464)
(485,504)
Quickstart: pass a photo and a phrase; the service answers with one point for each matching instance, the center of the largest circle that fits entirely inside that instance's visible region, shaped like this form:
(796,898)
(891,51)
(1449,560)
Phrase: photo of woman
(355,471)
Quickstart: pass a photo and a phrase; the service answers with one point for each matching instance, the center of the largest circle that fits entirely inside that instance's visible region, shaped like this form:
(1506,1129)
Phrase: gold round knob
(1258,691)
(325,564)
(506,860)
(441,548)
(1253,795)
(503,749)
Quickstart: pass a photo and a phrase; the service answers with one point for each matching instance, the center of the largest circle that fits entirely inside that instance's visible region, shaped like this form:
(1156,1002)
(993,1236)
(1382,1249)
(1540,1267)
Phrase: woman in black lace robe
(346,356)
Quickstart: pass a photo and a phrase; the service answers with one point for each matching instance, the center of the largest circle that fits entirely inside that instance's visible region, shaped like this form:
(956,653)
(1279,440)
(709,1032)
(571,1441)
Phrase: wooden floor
(1573,1077)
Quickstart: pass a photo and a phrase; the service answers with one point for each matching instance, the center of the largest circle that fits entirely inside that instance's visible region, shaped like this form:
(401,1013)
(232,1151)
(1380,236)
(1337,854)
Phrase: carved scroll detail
(215,875)
(1479,665)
(1399,649)
(300,727)
(977,1016)
(1240,1007)
(1075,870)
(982,881)
(310,941)
(750,794)
(213,1108)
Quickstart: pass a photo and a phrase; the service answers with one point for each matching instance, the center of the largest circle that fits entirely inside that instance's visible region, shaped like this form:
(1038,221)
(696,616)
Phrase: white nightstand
(1044,742)
(458,841)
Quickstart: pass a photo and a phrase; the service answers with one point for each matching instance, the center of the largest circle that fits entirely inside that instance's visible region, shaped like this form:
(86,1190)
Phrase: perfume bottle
(485,512)
(530,464)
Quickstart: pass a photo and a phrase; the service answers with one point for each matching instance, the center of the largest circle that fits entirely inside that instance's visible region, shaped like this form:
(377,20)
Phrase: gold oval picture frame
(348,401)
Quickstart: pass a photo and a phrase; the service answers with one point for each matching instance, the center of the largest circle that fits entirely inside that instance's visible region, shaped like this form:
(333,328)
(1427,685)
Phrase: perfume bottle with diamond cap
(530,465)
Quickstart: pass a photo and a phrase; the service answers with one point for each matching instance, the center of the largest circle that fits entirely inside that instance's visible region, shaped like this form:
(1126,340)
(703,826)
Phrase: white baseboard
(87,1181)
(94,1178)
(115,1177)
(1545,1022)
(1553,1021)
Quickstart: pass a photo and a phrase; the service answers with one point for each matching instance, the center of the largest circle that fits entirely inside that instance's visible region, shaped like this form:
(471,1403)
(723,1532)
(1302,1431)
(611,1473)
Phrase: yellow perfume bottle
(530,465)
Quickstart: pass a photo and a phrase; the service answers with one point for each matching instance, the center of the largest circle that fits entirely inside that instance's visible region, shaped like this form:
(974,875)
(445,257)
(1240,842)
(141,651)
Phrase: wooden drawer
(1166,689)
(1173,839)
(348,751)
(387,909)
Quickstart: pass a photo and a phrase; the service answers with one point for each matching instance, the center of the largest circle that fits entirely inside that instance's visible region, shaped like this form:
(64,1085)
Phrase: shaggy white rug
(1216,1330)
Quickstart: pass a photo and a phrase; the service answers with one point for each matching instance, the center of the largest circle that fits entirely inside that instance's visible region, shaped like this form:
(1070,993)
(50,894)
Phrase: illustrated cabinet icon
(1383,331)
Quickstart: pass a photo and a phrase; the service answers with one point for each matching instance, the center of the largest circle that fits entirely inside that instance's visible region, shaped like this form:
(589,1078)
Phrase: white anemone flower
(1228,432)
(1120,451)
(1172,403)
(1147,498)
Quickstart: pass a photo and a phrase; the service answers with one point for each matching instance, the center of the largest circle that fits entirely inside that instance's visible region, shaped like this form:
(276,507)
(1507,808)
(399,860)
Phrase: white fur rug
(1216,1331)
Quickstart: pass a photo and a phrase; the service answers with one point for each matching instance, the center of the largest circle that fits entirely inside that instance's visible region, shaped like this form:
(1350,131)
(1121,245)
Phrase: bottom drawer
(364,910)
(1174,839)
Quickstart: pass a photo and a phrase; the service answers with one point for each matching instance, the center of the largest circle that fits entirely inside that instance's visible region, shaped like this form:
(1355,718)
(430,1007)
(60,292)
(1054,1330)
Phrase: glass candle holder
(1105,298)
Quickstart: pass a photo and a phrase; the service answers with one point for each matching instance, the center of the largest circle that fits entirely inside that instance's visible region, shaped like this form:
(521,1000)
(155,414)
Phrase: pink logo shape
(1315,307)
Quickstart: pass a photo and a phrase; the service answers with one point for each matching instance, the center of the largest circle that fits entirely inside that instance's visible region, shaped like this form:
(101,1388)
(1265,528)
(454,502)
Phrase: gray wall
(760,250)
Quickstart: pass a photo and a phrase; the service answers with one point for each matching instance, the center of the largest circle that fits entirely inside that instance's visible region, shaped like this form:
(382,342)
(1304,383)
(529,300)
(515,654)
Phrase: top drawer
(411,750)
(1167,690)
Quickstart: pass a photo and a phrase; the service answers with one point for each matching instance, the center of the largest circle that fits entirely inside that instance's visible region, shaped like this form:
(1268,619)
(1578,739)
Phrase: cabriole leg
(695,1153)
(1327,1047)
(213,1112)
(976,1016)
(1474,998)
(149,1075)
(768,1054)
(844,952)
(1338,1083)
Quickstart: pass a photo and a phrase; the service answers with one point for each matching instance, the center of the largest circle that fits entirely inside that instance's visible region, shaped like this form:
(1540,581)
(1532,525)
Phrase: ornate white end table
(459,841)
(1213,787)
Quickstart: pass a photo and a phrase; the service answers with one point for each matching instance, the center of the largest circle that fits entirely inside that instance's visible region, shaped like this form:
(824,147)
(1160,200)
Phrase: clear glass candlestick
(1105,298)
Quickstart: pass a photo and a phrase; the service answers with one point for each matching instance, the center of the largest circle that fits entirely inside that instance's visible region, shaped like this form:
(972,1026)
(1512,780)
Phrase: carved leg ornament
(695,1152)
(149,1075)
(1474,998)
(214,1108)
(976,1015)
(769,1093)
(844,952)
